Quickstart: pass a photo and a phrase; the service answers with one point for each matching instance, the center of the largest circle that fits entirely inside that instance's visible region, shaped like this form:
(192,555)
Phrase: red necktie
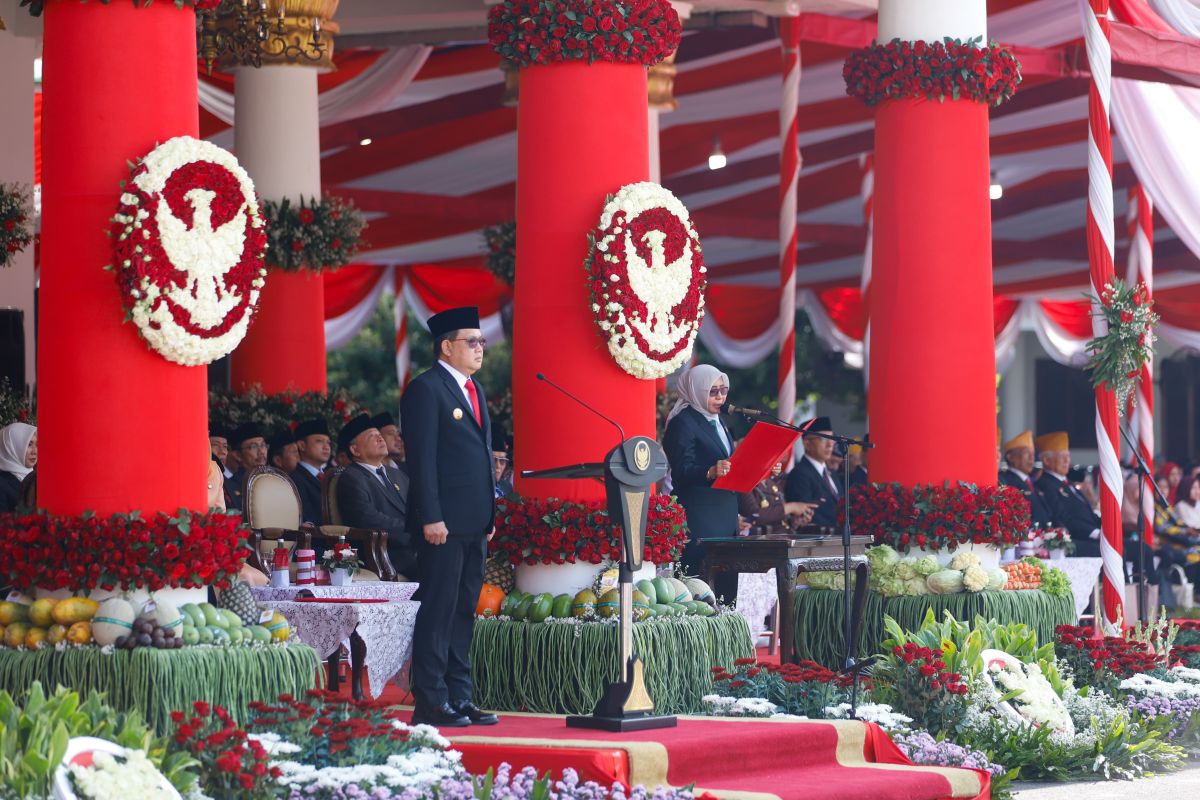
(1029,483)
(471,393)
(832,485)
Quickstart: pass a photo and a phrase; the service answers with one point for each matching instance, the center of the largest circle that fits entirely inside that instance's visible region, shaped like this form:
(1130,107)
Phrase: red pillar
(285,346)
(120,427)
(933,368)
(581,135)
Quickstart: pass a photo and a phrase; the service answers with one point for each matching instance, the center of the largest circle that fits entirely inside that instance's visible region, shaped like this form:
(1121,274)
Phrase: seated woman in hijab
(18,457)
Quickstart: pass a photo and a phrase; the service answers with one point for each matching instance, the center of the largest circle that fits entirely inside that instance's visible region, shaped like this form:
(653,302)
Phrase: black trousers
(451,576)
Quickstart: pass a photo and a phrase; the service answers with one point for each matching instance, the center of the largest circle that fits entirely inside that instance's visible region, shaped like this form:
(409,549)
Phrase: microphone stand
(1147,477)
(850,665)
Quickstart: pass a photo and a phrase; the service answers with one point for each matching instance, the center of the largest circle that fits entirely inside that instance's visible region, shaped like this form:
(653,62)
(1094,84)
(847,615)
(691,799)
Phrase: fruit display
(46,622)
(1023,575)
(661,597)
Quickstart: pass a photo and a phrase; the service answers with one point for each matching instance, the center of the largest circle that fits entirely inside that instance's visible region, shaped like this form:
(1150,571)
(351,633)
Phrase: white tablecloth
(385,628)
(1083,574)
(757,594)
(370,590)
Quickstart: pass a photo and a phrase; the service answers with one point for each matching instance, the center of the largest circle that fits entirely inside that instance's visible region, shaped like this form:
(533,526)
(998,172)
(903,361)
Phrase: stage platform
(728,758)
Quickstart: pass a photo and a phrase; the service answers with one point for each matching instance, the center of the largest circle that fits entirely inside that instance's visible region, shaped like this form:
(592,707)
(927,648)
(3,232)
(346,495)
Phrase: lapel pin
(457,413)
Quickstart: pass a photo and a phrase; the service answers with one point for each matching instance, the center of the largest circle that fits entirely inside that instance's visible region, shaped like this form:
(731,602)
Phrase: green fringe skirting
(562,668)
(157,682)
(819,619)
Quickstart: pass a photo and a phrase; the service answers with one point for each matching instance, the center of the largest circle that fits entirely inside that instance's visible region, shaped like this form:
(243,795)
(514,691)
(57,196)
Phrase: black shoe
(445,716)
(474,713)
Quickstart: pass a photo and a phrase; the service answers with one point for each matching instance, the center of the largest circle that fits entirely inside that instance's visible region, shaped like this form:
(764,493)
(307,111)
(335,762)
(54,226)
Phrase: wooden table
(789,555)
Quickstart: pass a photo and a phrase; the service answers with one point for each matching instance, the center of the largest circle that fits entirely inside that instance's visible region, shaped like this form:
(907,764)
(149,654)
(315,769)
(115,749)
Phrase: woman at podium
(698,447)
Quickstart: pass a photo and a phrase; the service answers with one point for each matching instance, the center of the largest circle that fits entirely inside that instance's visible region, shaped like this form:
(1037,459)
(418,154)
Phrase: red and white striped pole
(403,353)
(1100,235)
(867,162)
(789,176)
(1141,268)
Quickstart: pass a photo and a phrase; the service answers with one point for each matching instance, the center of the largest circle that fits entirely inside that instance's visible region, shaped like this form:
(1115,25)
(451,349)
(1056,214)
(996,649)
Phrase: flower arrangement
(188,247)
(917,680)
(529,32)
(942,517)
(534,531)
(341,556)
(1104,662)
(501,241)
(16,209)
(274,412)
(922,748)
(1056,539)
(1030,697)
(231,763)
(15,406)
(315,235)
(124,551)
(118,776)
(805,689)
(1118,355)
(949,69)
(647,280)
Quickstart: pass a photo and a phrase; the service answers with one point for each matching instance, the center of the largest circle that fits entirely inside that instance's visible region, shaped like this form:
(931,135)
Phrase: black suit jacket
(1069,509)
(1039,510)
(859,477)
(692,447)
(805,484)
(309,488)
(10,491)
(364,502)
(448,455)
(234,487)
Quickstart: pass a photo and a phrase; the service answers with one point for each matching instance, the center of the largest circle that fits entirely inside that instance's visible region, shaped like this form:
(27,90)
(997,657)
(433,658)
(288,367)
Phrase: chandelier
(244,32)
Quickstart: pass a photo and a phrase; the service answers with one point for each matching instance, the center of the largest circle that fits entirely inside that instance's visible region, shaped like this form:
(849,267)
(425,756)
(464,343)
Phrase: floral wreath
(275,412)
(527,32)
(15,211)
(313,235)
(940,516)
(1033,700)
(647,280)
(188,245)
(501,241)
(1118,355)
(949,69)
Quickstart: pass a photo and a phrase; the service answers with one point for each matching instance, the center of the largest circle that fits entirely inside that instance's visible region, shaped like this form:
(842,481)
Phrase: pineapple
(237,598)
(499,573)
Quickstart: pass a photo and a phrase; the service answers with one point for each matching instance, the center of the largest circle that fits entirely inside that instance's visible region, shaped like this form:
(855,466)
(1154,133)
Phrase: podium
(629,472)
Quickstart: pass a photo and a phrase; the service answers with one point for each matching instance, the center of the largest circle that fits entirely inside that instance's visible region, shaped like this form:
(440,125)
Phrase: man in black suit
(251,447)
(1018,455)
(1068,507)
(282,451)
(856,460)
(313,445)
(373,496)
(391,435)
(500,459)
(448,449)
(811,481)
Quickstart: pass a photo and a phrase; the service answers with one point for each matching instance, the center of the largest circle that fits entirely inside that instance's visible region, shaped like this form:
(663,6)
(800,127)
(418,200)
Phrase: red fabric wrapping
(1073,316)
(882,750)
(92,366)
(345,288)
(441,287)
(1179,307)
(285,347)
(741,312)
(578,115)
(1003,309)
(933,362)
(605,767)
(845,308)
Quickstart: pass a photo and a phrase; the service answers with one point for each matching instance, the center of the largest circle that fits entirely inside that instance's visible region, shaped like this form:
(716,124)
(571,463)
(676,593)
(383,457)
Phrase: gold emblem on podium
(641,456)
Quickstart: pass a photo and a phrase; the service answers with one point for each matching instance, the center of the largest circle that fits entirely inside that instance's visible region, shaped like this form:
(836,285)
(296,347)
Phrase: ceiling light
(717,160)
(995,190)
(365,142)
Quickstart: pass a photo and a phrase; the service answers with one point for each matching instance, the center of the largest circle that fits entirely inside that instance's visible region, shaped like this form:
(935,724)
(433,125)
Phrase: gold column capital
(660,84)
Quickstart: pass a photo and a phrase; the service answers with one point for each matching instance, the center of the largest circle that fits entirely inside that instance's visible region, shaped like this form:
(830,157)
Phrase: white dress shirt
(460,378)
(823,471)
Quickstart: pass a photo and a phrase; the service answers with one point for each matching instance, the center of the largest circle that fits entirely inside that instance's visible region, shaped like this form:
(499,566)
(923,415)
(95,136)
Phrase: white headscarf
(694,386)
(14,441)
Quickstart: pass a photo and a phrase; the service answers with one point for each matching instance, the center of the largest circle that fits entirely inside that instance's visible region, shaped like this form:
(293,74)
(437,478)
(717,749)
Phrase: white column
(652,118)
(17,282)
(277,136)
(932,20)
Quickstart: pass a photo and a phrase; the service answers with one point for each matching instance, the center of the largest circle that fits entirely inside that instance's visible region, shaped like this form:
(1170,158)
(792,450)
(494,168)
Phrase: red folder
(765,446)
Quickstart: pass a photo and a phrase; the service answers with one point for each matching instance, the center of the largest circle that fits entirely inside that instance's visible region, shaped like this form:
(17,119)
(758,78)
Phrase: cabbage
(916,586)
(964,560)
(927,565)
(882,557)
(975,579)
(997,579)
(906,569)
(820,580)
(891,586)
(948,581)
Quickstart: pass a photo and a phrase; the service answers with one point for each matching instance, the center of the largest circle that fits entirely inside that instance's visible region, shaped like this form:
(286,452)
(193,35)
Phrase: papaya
(56,634)
(80,633)
(585,604)
(40,612)
(13,612)
(35,637)
(75,609)
(510,603)
(562,606)
(699,589)
(14,634)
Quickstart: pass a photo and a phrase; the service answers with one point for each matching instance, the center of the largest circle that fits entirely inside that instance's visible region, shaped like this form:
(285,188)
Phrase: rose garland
(527,32)
(501,257)
(940,517)
(647,280)
(950,69)
(36,6)
(315,235)
(553,531)
(123,551)
(15,213)
(188,245)
(1117,357)
(275,412)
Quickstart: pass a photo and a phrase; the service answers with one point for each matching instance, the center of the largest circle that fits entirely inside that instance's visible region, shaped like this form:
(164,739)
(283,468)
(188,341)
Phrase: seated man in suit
(282,452)
(370,495)
(312,445)
(1068,507)
(811,481)
(251,446)
(857,457)
(218,443)
(386,424)
(1018,455)
(503,464)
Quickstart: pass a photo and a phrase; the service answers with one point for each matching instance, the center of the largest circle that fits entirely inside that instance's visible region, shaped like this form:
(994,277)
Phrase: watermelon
(511,601)
(700,590)
(585,604)
(682,595)
(663,590)
(522,609)
(562,606)
(610,604)
(542,605)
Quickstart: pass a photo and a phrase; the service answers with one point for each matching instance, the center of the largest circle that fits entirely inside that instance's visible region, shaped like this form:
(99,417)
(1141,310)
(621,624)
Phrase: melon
(700,590)
(167,617)
(584,604)
(610,604)
(278,626)
(114,618)
(562,606)
(682,595)
(663,590)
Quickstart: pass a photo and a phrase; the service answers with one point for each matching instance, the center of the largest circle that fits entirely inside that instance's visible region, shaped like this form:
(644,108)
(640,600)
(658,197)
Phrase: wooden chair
(273,512)
(372,544)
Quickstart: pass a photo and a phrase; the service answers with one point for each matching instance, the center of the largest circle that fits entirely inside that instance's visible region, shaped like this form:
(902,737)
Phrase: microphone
(609,420)
(745,412)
